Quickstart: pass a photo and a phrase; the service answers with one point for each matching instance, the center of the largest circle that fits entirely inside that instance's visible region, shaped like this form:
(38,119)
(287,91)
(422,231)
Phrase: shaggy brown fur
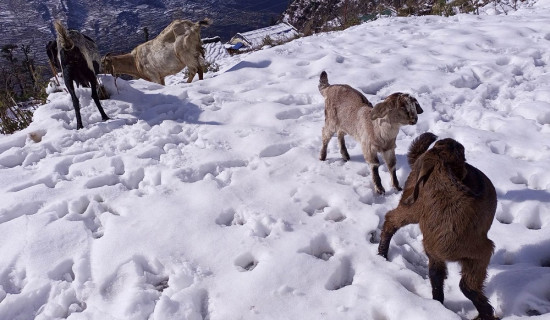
(454,204)
(347,111)
(177,46)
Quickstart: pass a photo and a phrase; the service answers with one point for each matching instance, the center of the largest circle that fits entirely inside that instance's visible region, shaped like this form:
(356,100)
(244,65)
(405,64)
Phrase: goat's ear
(419,110)
(426,169)
(379,111)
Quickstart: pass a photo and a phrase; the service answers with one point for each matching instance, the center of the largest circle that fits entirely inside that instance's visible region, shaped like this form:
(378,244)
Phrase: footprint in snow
(342,276)
(246,262)
(319,247)
(18,210)
(315,205)
(276,150)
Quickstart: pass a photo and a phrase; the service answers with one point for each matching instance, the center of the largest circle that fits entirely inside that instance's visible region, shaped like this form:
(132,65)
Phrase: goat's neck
(125,64)
(385,131)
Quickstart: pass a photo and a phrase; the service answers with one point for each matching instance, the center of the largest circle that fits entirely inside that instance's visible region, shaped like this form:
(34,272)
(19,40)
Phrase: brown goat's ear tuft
(426,170)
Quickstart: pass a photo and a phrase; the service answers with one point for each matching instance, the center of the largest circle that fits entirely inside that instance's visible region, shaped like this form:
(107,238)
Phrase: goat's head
(401,108)
(446,157)
(107,64)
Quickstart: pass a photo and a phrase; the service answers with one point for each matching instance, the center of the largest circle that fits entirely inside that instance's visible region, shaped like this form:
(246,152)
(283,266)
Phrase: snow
(207,200)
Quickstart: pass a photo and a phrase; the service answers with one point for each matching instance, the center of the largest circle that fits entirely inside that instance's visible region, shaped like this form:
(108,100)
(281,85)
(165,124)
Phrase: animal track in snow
(89,212)
(276,150)
(13,280)
(246,262)
(502,61)
(220,172)
(18,210)
(293,114)
(47,181)
(498,147)
(295,99)
(227,218)
(319,247)
(374,87)
(335,215)
(315,205)
(63,271)
(342,277)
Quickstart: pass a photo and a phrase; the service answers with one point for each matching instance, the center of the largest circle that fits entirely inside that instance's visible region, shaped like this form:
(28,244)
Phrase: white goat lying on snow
(177,46)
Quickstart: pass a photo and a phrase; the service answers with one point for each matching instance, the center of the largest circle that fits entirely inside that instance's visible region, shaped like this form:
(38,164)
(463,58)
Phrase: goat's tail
(419,146)
(204,22)
(63,38)
(323,81)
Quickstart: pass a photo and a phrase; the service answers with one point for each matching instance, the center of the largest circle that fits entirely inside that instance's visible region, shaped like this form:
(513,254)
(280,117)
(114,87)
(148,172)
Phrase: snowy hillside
(118,26)
(208,201)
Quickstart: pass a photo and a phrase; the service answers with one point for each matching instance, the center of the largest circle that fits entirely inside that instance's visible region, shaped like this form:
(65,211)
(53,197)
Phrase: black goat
(79,60)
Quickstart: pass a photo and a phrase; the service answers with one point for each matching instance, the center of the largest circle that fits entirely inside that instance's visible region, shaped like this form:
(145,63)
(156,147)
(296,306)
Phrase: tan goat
(347,111)
(177,46)
(454,204)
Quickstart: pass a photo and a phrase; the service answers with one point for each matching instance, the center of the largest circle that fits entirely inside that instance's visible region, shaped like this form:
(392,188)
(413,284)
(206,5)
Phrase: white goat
(347,111)
(177,46)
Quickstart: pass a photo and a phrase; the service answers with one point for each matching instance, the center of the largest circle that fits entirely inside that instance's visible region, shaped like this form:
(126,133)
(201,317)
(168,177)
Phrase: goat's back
(68,39)
(346,109)
(455,216)
(159,55)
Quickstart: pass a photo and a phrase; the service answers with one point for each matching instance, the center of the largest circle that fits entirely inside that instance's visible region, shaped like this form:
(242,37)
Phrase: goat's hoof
(486,318)
(398,188)
(106,118)
(383,254)
(380,191)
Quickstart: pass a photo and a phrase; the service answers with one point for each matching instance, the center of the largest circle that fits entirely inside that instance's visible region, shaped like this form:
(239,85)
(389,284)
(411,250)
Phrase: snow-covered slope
(208,201)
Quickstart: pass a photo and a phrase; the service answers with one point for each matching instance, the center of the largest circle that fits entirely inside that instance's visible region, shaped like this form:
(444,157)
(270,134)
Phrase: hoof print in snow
(342,277)
(319,248)
(226,218)
(335,215)
(161,285)
(246,262)
(276,150)
(315,205)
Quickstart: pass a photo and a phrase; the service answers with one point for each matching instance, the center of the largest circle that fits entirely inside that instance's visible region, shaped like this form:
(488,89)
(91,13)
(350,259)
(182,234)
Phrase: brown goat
(177,46)
(347,111)
(454,204)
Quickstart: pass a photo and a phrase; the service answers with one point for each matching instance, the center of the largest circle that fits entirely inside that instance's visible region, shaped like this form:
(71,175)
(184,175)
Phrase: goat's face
(400,108)
(107,64)
(408,109)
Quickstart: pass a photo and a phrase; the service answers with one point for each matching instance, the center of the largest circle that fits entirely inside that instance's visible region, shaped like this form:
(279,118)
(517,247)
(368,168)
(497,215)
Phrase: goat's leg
(395,219)
(342,143)
(437,270)
(389,158)
(474,273)
(76,105)
(191,76)
(326,136)
(200,71)
(95,97)
(371,158)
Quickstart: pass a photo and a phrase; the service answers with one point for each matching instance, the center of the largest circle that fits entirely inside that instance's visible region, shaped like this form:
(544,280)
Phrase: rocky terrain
(118,26)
